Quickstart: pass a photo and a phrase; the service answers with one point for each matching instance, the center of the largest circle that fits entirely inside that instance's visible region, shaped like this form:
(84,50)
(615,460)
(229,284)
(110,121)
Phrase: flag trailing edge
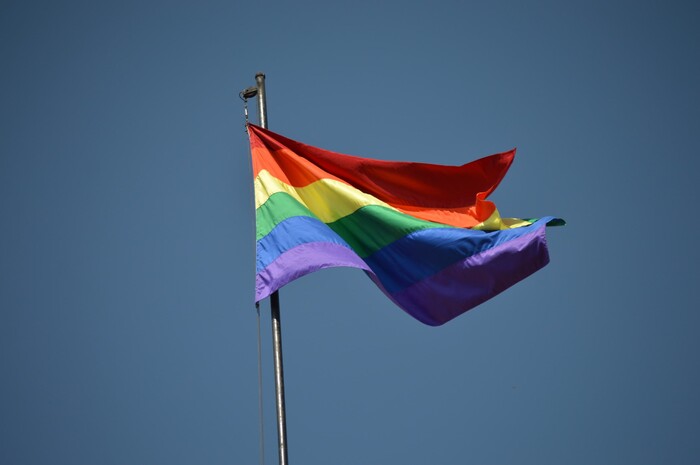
(424,233)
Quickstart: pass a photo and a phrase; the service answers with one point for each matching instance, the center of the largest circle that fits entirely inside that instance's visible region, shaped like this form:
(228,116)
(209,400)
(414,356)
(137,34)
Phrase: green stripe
(277,208)
(366,230)
(372,227)
(556,222)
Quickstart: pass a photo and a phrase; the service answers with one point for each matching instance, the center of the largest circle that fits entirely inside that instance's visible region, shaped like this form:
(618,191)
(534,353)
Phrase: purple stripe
(464,285)
(302,260)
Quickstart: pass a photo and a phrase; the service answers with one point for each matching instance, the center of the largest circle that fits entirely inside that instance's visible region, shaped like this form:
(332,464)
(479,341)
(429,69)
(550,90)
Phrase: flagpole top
(262,106)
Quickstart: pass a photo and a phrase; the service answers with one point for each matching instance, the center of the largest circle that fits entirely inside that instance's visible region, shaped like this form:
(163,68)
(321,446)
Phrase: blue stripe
(291,233)
(423,253)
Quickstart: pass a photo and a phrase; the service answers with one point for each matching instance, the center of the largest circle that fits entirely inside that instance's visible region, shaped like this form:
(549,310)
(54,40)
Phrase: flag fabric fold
(424,233)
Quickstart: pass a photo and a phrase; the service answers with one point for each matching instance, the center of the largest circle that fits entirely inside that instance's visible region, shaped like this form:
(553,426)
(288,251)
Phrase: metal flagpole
(275,314)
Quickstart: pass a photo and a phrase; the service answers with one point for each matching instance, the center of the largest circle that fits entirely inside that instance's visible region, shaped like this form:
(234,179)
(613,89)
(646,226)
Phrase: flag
(425,234)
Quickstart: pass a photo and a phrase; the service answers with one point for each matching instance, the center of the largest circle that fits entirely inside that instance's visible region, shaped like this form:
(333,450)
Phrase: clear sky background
(128,333)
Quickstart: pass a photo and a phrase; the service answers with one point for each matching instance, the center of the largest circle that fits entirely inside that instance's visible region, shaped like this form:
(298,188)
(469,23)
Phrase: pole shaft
(279,377)
(275,315)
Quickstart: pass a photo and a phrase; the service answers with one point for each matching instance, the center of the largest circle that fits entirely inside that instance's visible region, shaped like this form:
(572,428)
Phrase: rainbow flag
(425,234)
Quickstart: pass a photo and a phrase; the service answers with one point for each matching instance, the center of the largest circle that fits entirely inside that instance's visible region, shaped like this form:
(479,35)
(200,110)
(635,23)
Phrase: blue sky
(128,333)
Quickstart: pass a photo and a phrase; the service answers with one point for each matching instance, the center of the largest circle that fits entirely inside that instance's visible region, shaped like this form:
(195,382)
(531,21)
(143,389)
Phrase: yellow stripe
(331,200)
(328,199)
(496,223)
